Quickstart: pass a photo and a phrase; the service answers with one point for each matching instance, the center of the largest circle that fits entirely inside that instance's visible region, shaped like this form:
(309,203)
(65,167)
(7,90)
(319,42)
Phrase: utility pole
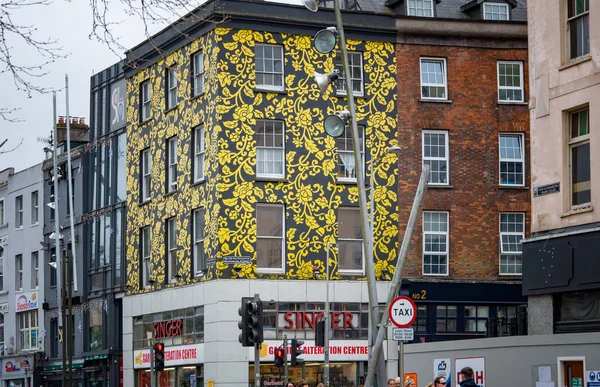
(257,352)
(285,363)
(397,279)
(57,243)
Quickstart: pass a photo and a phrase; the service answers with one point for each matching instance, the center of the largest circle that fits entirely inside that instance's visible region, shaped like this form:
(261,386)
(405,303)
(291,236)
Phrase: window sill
(575,62)
(19,228)
(199,182)
(347,182)
(170,193)
(579,210)
(271,179)
(276,91)
(430,186)
(145,122)
(344,95)
(348,273)
(269,272)
(195,97)
(171,109)
(4,225)
(435,100)
(518,103)
(35,224)
(4,292)
(140,204)
(517,187)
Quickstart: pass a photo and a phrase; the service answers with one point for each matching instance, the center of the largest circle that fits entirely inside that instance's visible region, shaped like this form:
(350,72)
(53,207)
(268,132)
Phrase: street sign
(403,334)
(402,312)
(593,379)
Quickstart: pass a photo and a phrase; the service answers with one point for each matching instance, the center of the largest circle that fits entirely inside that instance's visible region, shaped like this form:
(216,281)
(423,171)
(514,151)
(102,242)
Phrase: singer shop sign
(308,320)
(169,328)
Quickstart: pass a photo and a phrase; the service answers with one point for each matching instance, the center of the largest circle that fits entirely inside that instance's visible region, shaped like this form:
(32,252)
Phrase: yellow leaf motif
(223,235)
(231,46)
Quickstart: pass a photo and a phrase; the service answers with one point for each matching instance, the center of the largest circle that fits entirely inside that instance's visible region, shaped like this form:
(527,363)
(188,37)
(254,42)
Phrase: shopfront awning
(57,366)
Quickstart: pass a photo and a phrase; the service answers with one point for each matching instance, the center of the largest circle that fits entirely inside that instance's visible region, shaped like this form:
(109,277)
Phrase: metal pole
(285,362)
(401,361)
(70,186)
(362,196)
(57,246)
(65,328)
(397,279)
(152,370)
(326,318)
(69,323)
(257,364)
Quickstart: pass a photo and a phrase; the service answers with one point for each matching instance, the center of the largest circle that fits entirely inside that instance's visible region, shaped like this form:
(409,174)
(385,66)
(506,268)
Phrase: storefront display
(190,376)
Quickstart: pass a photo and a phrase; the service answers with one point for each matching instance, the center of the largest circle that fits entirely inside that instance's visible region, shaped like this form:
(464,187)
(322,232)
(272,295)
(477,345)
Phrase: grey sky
(70,23)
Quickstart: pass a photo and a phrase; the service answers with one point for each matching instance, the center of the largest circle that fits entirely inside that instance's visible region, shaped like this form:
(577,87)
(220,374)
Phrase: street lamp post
(326,318)
(313,5)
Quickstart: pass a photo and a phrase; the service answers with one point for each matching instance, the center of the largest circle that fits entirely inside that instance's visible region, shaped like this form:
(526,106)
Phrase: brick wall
(473,120)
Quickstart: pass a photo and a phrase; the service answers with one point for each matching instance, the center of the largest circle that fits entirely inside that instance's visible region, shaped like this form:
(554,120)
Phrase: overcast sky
(69,23)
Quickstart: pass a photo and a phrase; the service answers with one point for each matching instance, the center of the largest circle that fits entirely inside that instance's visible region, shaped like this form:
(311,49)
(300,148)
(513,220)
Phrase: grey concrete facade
(509,361)
(22,280)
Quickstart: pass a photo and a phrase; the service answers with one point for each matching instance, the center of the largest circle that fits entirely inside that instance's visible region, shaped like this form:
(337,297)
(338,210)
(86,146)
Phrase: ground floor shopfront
(17,371)
(199,326)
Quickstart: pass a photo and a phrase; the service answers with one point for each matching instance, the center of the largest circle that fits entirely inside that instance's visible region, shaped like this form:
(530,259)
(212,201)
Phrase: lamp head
(325,40)
(323,80)
(311,5)
(394,148)
(335,124)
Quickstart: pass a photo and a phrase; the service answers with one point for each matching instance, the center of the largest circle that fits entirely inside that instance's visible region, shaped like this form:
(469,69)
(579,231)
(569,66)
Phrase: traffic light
(320,333)
(279,357)
(159,357)
(296,351)
(252,322)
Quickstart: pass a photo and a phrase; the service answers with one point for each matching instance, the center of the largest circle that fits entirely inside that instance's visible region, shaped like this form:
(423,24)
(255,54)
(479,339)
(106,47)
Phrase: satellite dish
(311,5)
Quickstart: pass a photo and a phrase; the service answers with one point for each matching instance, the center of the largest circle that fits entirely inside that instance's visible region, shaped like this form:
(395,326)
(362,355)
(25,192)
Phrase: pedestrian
(398,381)
(430,384)
(439,381)
(391,383)
(320,385)
(467,377)
(409,382)
(291,384)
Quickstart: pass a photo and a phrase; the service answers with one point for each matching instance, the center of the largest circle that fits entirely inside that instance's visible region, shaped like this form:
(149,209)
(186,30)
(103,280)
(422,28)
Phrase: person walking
(467,377)
(391,383)
(409,382)
(439,381)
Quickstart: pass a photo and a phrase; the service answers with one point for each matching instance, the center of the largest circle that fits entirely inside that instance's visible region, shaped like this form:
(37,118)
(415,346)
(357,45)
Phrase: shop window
(475,318)
(421,322)
(571,371)
(95,329)
(446,316)
(507,314)
(190,322)
(577,311)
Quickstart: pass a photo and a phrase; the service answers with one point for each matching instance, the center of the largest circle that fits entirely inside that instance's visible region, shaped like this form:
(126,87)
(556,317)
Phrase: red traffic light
(279,353)
(159,346)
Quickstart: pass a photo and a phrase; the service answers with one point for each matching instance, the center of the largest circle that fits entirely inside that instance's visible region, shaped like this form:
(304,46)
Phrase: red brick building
(462,105)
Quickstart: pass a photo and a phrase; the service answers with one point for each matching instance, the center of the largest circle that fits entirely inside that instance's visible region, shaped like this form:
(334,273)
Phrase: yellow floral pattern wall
(229,110)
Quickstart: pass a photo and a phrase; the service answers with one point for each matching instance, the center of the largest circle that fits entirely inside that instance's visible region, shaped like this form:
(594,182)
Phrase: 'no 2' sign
(402,312)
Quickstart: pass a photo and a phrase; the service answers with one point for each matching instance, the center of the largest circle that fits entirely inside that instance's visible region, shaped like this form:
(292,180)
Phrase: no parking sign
(592,379)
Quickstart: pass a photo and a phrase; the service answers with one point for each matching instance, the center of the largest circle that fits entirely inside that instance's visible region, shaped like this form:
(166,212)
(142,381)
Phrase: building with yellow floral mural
(234,189)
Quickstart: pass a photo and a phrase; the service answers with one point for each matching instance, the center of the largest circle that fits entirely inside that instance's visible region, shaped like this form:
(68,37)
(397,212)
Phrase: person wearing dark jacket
(467,377)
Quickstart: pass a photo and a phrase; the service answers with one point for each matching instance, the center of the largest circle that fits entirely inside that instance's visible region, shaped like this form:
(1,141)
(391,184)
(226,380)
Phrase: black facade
(564,264)
(463,310)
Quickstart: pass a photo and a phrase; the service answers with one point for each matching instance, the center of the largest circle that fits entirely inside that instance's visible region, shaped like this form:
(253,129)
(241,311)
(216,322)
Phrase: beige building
(561,274)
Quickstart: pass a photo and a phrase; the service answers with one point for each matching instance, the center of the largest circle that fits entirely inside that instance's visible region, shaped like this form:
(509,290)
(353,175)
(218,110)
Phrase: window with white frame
(198,73)
(35,270)
(512,160)
(355,62)
(19,212)
(350,241)
(495,11)
(270,149)
(19,272)
(476,318)
(145,96)
(578,28)
(269,66)
(579,158)
(199,153)
(512,231)
(420,8)
(435,243)
(270,231)
(433,79)
(510,81)
(172,164)
(145,256)
(2,220)
(436,155)
(172,248)
(35,215)
(346,167)
(1,268)
(199,257)
(171,87)
(28,329)
(146,162)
